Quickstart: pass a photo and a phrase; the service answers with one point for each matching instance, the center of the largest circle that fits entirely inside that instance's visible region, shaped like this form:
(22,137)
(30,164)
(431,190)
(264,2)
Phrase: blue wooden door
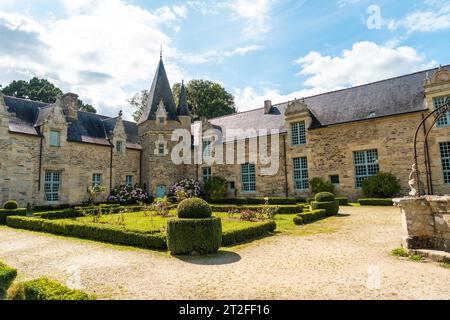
(160,191)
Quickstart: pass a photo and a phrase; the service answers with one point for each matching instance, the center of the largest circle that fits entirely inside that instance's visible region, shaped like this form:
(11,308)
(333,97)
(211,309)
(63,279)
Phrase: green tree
(139,102)
(206,99)
(39,90)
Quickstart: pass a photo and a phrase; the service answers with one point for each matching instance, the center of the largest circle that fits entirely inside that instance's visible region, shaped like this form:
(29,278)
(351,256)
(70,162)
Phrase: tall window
(248,177)
(207,146)
(366,165)
(439,102)
(206,174)
(301,173)
(54,138)
(445,158)
(52,181)
(96,179)
(298,132)
(129,180)
(161,149)
(119,146)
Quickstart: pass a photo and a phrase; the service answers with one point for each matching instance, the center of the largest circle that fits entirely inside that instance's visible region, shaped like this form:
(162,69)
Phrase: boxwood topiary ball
(324,197)
(10,205)
(194,208)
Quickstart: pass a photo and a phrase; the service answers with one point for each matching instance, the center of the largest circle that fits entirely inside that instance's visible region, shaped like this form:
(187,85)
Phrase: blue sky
(106,50)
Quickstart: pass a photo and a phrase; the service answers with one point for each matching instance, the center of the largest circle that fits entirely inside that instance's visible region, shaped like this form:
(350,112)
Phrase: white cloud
(255,12)
(365,62)
(219,56)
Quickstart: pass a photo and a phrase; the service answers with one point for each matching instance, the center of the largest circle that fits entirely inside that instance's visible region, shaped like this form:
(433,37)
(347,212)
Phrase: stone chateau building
(51,153)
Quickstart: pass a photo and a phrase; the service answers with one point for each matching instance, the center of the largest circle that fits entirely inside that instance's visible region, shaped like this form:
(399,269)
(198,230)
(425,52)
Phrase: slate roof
(89,128)
(183,108)
(160,90)
(388,97)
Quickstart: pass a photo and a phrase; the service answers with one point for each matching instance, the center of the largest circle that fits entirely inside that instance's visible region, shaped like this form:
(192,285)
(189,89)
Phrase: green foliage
(139,102)
(324,196)
(10,205)
(11,212)
(310,216)
(189,236)
(58,214)
(206,99)
(376,202)
(194,208)
(257,229)
(91,231)
(256,201)
(280,209)
(381,185)
(216,187)
(298,220)
(7,276)
(400,252)
(343,201)
(416,258)
(46,289)
(319,185)
(331,207)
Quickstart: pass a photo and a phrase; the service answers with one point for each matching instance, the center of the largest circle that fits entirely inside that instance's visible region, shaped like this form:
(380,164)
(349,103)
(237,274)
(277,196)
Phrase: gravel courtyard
(331,259)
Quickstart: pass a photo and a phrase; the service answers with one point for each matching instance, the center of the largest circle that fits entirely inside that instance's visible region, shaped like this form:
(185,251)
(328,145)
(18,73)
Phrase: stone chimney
(70,106)
(267,106)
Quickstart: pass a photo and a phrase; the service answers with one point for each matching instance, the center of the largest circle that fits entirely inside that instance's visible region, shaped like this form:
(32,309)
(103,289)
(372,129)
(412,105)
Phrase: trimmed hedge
(10,205)
(310,216)
(11,212)
(233,237)
(7,276)
(324,197)
(188,236)
(98,232)
(46,289)
(343,201)
(256,201)
(61,214)
(331,207)
(194,208)
(375,202)
(285,209)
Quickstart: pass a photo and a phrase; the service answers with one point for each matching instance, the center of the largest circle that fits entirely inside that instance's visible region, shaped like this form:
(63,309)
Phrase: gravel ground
(337,258)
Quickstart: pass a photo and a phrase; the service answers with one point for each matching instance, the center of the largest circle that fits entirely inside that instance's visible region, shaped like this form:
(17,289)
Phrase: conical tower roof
(183,108)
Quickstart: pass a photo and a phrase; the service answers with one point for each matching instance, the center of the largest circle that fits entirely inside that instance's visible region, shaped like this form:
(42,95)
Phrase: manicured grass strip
(46,289)
(11,212)
(280,209)
(98,232)
(257,201)
(7,276)
(376,202)
(257,229)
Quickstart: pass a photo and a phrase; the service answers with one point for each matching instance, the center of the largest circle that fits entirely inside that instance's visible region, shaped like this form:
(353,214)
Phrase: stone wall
(426,221)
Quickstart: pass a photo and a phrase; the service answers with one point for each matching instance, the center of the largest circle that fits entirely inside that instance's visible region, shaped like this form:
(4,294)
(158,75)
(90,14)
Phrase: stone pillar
(70,105)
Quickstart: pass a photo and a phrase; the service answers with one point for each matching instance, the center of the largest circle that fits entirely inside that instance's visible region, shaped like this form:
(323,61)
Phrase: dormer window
(298,132)
(207,147)
(161,120)
(119,146)
(54,138)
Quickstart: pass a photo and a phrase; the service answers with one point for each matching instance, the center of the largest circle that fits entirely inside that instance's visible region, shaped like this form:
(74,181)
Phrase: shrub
(343,201)
(126,194)
(281,209)
(194,208)
(375,202)
(258,201)
(298,220)
(311,216)
(400,252)
(188,188)
(249,215)
(162,207)
(98,232)
(46,289)
(7,276)
(381,185)
(60,214)
(190,236)
(319,185)
(258,229)
(10,205)
(216,187)
(309,200)
(324,196)
(331,207)
(11,212)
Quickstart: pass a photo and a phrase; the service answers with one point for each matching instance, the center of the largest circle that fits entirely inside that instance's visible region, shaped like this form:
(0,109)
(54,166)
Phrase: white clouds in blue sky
(106,50)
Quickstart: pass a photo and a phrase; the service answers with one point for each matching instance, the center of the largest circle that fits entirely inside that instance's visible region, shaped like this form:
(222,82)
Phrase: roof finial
(182,82)
(160,52)
(120,113)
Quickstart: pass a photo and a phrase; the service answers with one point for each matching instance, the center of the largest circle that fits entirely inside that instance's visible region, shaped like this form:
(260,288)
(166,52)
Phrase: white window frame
(54,135)
(366,164)
(248,177)
(298,133)
(300,172)
(96,179)
(208,175)
(129,180)
(207,147)
(444,148)
(438,102)
(52,185)
(119,146)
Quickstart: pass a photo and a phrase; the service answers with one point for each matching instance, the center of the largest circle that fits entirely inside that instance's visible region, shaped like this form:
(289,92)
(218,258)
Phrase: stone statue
(413,184)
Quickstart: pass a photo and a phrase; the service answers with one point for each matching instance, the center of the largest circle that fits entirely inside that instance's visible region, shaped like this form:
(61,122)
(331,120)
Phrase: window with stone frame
(54,138)
(206,173)
(207,147)
(439,102)
(129,180)
(445,159)
(366,165)
(248,177)
(161,120)
(161,149)
(96,179)
(301,181)
(52,183)
(119,146)
(334,179)
(298,132)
